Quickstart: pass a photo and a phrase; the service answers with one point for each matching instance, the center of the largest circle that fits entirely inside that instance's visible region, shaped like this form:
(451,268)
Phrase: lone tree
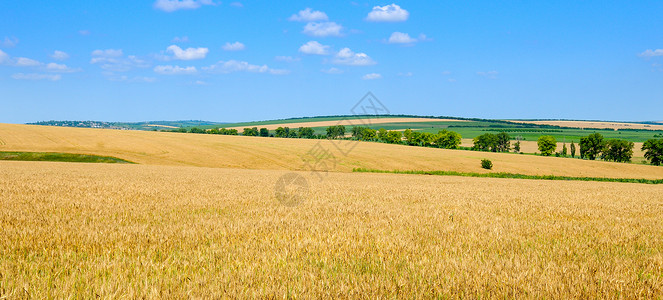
(654,151)
(591,146)
(573,149)
(618,150)
(547,145)
(564,150)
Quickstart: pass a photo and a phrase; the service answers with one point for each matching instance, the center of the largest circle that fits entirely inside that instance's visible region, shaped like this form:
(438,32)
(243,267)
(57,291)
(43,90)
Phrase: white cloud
(177,39)
(309,15)
(445,73)
(332,71)
(237,4)
(489,74)
(388,13)
(652,53)
(371,76)
(60,68)
(236,46)
(26,62)
(84,32)
(3,57)
(188,54)
(231,66)
(323,29)
(407,74)
(401,38)
(313,47)
(348,57)
(287,58)
(59,55)
(173,5)
(114,60)
(9,42)
(35,76)
(175,70)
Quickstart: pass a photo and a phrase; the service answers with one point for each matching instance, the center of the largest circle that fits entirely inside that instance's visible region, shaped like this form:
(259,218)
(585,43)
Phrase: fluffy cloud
(173,5)
(60,68)
(231,66)
(323,29)
(188,54)
(59,55)
(371,76)
(388,13)
(236,4)
(26,62)
(175,70)
(314,47)
(35,76)
(652,53)
(114,60)
(401,38)
(236,46)
(347,57)
(309,15)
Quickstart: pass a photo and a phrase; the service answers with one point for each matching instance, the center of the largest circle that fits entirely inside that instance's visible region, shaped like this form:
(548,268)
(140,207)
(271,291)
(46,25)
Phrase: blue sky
(253,60)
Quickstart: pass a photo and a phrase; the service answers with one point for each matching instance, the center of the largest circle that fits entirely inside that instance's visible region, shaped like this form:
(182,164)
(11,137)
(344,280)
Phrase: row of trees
(443,139)
(222,131)
(500,142)
(592,147)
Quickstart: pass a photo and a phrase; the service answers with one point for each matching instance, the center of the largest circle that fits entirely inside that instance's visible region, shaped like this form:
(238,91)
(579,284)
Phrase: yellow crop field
(594,124)
(165,148)
(130,231)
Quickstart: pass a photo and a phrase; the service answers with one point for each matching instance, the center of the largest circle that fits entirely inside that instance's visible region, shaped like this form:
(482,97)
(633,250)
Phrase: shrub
(487,164)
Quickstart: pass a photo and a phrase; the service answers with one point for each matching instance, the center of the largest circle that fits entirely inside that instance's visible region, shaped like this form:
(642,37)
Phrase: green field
(60,157)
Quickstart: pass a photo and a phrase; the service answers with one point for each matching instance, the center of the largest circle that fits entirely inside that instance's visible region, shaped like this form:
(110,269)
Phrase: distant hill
(151,125)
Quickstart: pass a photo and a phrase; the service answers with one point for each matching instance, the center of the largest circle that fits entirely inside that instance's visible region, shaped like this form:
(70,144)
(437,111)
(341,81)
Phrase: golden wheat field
(594,124)
(139,231)
(239,152)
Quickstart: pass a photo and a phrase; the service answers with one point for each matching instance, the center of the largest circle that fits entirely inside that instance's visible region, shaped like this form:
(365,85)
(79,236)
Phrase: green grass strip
(60,157)
(512,175)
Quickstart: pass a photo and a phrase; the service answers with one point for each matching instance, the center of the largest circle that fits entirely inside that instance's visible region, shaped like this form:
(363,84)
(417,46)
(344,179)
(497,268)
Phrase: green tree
(264,132)
(334,132)
(393,137)
(573,149)
(653,151)
(591,146)
(250,131)
(306,133)
(503,142)
(565,152)
(618,150)
(485,142)
(382,134)
(280,132)
(516,147)
(547,145)
(196,130)
(407,134)
(447,139)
